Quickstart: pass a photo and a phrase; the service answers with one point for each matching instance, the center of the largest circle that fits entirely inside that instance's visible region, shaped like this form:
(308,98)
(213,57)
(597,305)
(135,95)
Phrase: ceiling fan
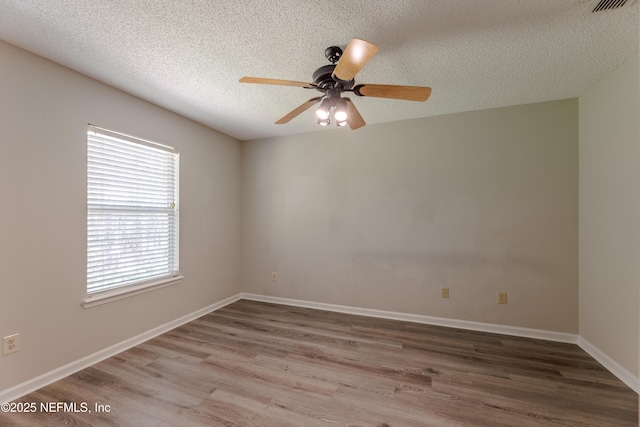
(338,77)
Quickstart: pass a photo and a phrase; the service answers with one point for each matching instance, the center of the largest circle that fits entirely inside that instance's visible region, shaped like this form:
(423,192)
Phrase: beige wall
(44,112)
(610,216)
(385,216)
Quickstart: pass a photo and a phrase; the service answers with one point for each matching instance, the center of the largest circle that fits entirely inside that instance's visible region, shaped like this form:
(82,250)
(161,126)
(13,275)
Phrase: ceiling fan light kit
(332,102)
(340,112)
(338,77)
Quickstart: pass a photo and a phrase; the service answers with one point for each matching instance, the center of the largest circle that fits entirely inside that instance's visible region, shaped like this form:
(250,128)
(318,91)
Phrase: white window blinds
(132,219)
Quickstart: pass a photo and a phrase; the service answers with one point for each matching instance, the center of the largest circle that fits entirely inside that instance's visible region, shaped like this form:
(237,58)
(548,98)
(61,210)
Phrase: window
(132,215)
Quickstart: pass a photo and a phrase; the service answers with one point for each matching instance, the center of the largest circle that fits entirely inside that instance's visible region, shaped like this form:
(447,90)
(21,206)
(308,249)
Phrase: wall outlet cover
(502,297)
(10,344)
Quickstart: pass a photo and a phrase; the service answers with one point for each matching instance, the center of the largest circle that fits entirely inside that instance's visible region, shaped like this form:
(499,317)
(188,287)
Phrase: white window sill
(129,291)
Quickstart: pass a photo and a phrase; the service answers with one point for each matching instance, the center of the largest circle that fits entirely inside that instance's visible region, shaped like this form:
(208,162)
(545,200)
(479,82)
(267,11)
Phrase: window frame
(126,289)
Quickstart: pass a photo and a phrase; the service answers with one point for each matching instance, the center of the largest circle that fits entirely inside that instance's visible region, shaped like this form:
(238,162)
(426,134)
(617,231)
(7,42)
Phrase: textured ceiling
(187,56)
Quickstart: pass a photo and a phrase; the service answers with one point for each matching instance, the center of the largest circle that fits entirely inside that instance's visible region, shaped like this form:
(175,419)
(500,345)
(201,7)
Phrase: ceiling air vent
(600,5)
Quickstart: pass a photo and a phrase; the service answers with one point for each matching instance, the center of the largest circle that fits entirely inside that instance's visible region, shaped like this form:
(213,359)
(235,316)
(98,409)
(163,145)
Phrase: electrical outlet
(10,344)
(274,276)
(502,297)
(445,292)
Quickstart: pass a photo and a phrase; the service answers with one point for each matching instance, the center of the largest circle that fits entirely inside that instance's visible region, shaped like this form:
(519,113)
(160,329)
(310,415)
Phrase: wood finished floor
(258,364)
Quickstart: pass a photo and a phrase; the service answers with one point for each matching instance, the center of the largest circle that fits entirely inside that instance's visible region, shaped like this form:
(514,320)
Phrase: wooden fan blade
(286,118)
(354,57)
(408,93)
(354,119)
(262,81)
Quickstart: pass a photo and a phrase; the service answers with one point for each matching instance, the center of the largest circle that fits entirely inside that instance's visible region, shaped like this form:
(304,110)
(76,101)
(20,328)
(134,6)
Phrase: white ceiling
(187,56)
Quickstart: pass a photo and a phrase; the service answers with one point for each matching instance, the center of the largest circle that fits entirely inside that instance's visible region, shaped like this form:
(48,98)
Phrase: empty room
(339,213)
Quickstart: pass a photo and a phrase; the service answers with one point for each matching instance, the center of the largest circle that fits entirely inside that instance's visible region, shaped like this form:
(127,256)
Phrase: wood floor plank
(260,364)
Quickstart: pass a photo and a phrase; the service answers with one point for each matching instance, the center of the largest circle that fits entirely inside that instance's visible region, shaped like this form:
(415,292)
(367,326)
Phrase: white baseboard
(52,376)
(418,318)
(612,366)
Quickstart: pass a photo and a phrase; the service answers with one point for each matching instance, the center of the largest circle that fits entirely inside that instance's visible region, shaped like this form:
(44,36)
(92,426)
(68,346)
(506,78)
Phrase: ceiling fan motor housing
(323,79)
